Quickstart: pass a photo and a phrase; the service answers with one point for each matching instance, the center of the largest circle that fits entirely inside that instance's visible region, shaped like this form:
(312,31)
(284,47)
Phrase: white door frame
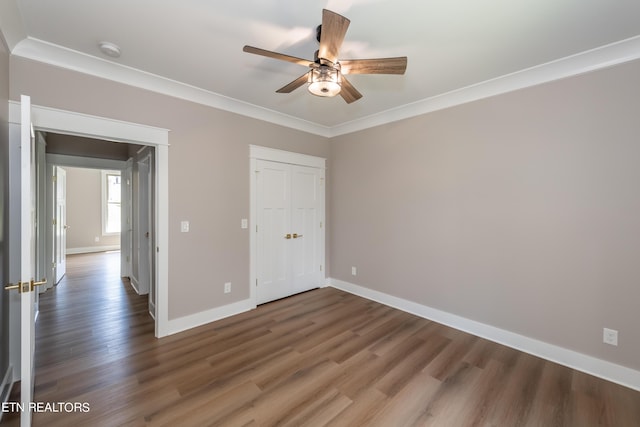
(257,152)
(143,225)
(59,229)
(66,122)
(126,219)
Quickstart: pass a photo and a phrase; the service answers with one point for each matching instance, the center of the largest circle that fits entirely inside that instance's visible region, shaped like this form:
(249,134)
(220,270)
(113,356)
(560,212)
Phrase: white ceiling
(458,50)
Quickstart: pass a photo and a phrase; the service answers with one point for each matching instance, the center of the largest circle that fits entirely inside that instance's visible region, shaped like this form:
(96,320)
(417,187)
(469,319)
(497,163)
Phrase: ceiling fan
(326,74)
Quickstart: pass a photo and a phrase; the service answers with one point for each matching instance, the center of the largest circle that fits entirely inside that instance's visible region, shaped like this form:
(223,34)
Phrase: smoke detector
(109,49)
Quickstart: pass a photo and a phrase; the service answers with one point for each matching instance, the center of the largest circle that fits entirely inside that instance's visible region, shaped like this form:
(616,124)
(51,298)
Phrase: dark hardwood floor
(324,357)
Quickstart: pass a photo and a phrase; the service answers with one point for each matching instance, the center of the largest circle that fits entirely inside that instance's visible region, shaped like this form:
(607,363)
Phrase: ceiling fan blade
(334,28)
(294,84)
(276,55)
(374,66)
(348,92)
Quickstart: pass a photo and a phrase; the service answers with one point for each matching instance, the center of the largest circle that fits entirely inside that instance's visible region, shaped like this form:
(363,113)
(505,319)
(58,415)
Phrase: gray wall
(84,210)
(520,211)
(208,173)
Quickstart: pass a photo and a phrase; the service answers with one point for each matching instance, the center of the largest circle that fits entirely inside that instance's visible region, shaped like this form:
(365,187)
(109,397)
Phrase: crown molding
(49,53)
(11,24)
(580,63)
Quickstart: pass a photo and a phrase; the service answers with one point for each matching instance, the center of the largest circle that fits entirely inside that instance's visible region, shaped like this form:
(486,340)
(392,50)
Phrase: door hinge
(256,228)
(54,221)
(320,224)
(320,267)
(256,282)
(55,178)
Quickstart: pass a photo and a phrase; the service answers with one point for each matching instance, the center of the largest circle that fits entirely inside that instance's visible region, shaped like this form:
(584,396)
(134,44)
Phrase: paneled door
(60,223)
(24,285)
(289,229)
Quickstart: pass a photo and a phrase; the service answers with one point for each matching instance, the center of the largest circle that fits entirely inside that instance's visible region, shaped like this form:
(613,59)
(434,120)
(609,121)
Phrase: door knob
(296,235)
(17,286)
(25,286)
(40,282)
(33,284)
(288,236)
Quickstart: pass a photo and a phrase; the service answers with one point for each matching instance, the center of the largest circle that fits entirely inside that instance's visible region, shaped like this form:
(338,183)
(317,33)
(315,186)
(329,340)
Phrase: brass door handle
(296,235)
(38,283)
(24,287)
(288,236)
(11,286)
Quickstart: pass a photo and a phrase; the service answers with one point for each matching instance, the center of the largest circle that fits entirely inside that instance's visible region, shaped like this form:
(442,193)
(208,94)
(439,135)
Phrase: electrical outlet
(227,287)
(354,271)
(96,239)
(610,336)
(184,226)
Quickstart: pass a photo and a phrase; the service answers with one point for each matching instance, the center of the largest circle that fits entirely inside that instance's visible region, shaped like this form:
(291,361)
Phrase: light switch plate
(244,223)
(184,226)
(610,336)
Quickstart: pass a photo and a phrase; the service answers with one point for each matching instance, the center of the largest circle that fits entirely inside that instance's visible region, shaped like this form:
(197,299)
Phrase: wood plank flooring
(322,358)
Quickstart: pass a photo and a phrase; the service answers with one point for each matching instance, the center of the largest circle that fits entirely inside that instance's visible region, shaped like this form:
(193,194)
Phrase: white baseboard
(572,359)
(134,284)
(152,309)
(5,387)
(198,319)
(91,249)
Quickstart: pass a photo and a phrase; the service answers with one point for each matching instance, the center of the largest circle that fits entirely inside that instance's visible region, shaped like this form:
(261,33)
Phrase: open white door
(144,225)
(60,223)
(27,261)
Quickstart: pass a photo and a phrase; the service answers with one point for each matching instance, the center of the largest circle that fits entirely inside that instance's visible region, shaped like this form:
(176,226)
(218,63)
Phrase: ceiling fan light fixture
(324,81)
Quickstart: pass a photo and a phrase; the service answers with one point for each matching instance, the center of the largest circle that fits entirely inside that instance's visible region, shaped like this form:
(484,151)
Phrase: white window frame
(103,176)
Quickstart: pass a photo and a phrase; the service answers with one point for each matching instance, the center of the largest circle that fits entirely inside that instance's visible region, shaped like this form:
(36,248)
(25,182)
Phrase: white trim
(162,240)
(64,160)
(281,156)
(91,249)
(63,57)
(152,308)
(134,284)
(71,123)
(11,24)
(590,60)
(202,318)
(79,124)
(600,368)
(594,59)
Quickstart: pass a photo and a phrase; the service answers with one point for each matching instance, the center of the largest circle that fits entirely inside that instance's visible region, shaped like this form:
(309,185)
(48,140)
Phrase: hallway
(84,334)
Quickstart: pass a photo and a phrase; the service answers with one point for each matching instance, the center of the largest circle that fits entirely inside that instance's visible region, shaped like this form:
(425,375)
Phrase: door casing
(48,119)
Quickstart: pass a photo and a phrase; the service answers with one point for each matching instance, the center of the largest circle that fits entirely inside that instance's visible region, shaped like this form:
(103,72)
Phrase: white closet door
(273,221)
(307,206)
(290,210)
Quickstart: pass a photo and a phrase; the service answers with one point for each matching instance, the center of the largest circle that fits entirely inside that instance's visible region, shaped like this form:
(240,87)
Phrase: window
(111,202)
